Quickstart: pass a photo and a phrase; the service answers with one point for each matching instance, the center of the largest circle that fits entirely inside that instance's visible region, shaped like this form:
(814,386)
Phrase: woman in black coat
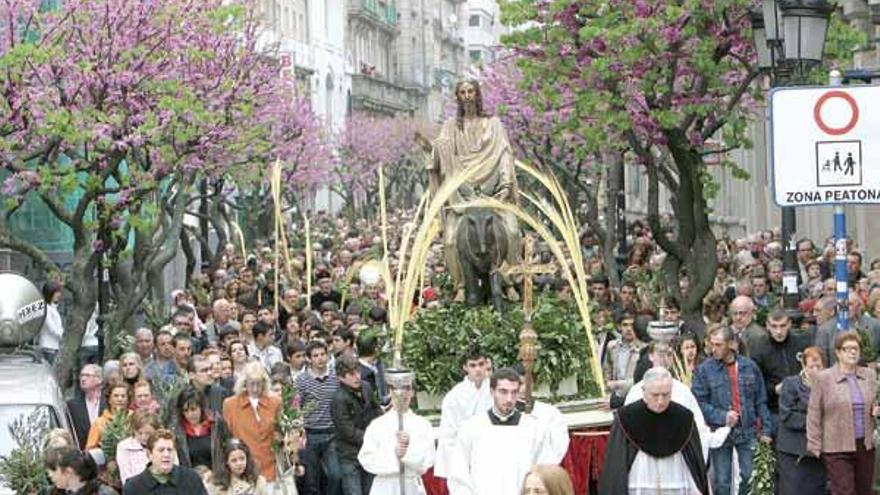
(799,472)
(199,434)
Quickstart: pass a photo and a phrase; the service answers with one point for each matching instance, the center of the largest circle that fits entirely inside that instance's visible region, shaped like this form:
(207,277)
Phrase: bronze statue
(474,138)
(481,251)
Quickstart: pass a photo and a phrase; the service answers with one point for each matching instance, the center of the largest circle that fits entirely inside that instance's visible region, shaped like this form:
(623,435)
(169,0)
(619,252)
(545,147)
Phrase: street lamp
(804,26)
(789,40)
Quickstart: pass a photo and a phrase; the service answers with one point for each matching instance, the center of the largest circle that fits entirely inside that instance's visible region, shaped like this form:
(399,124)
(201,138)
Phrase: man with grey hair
(87,404)
(662,357)
(825,332)
(143,344)
(222,320)
(825,310)
(742,322)
(658,441)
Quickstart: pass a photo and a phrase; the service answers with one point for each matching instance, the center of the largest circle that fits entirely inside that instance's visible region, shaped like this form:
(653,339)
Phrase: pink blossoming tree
(111,111)
(365,143)
(656,80)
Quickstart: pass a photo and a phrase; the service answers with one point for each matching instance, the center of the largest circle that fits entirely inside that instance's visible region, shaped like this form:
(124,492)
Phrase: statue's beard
(469,108)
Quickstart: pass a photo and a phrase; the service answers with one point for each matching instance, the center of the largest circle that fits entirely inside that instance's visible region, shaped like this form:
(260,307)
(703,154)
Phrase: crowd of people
(752,372)
(201,395)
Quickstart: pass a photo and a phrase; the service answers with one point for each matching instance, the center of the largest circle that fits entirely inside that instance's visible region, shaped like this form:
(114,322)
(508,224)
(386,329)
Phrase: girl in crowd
(199,435)
(239,474)
(690,352)
(75,473)
(545,479)
(117,395)
(238,353)
(131,453)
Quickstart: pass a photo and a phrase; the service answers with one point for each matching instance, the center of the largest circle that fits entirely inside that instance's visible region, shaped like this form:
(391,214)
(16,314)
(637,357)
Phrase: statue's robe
(654,453)
(481,144)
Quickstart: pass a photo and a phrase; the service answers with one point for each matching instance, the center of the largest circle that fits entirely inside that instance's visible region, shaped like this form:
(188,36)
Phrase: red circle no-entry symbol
(836,131)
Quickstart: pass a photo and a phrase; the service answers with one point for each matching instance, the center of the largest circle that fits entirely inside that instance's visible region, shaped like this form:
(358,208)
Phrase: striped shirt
(317,395)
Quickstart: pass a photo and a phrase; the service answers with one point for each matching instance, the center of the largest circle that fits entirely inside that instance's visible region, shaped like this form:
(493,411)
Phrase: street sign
(825,145)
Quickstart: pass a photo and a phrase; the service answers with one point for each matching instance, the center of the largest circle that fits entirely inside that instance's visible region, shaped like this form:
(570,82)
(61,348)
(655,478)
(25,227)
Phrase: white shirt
(661,476)
(267,357)
(93,407)
(460,404)
(556,437)
(377,454)
(90,338)
(53,329)
(494,460)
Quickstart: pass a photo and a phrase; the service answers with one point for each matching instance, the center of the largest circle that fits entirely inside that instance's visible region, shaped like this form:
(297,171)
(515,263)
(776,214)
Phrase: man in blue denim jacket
(740,408)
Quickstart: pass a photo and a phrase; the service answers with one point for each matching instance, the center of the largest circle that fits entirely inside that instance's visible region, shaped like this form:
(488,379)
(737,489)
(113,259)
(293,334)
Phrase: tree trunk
(609,238)
(186,246)
(82,283)
(694,246)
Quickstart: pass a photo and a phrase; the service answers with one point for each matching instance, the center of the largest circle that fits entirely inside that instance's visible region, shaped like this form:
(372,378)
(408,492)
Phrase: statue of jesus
(471,139)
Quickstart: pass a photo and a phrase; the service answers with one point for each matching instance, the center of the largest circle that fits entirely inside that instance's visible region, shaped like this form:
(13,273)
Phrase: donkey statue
(481,250)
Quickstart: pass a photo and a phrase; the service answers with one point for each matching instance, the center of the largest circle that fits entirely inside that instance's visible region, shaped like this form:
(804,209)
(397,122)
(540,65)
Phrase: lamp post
(789,39)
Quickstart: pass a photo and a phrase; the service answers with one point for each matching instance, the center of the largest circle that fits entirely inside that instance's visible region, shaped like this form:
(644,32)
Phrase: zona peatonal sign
(825,145)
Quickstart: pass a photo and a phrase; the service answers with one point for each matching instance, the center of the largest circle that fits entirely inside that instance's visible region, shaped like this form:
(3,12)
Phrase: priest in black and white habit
(654,446)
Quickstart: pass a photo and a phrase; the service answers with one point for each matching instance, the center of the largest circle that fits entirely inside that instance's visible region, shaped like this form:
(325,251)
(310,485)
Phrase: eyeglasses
(850,348)
(741,313)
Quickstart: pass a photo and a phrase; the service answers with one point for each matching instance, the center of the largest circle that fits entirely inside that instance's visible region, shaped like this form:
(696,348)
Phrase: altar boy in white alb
(467,398)
(386,446)
(495,449)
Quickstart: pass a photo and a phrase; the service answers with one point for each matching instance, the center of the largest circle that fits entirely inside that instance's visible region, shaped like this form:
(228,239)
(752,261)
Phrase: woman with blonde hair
(547,479)
(251,414)
(131,368)
(58,438)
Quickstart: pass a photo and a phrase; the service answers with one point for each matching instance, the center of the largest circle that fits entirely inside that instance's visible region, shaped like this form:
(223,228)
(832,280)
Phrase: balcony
(376,95)
(453,36)
(376,13)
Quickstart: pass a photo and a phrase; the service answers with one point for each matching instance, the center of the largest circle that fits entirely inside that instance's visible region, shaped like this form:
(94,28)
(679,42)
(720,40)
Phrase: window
(474,21)
(476,55)
(44,414)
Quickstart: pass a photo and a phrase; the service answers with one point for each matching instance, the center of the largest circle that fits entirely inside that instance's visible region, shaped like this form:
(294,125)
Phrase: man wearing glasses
(200,377)
(87,405)
(746,331)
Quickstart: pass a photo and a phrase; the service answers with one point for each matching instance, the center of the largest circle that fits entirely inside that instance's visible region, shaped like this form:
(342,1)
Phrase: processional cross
(528,338)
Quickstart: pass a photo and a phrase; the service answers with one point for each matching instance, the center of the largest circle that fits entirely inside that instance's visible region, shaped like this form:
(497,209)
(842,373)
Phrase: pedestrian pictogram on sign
(836,133)
(839,163)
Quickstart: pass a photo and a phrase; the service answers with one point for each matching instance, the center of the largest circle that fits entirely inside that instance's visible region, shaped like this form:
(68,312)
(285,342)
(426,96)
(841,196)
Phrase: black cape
(659,435)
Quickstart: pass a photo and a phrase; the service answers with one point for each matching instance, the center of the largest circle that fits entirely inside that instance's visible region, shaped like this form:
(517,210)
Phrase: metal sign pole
(840,274)
(840,249)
